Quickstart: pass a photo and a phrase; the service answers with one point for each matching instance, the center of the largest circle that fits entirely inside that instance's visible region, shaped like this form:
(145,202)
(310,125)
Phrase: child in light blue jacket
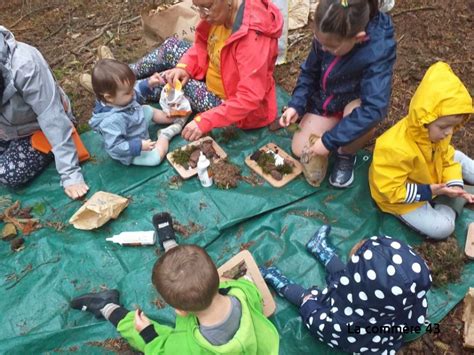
(121,119)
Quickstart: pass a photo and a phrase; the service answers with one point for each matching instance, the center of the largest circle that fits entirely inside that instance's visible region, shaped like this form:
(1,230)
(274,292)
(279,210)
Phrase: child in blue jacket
(344,86)
(369,303)
(121,119)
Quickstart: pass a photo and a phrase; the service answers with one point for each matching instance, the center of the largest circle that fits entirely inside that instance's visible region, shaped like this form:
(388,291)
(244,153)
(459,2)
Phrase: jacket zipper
(325,77)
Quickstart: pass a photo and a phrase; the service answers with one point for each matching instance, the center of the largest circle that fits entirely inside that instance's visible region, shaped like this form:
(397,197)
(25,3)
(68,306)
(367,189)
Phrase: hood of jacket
(262,16)
(440,93)
(380,28)
(256,334)
(7,47)
(103,112)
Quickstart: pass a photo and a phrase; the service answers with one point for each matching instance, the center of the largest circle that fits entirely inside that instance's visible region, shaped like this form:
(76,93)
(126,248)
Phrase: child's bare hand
(456,191)
(176,74)
(141,320)
(463,193)
(148,144)
(289,116)
(156,80)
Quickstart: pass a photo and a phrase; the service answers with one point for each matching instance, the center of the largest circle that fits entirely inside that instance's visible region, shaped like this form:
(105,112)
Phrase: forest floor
(68,32)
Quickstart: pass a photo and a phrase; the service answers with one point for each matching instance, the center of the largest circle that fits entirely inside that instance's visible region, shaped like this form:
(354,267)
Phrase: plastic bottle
(134,238)
(202,169)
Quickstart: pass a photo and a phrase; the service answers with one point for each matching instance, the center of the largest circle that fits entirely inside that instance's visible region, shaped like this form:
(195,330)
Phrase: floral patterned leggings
(165,57)
(20,162)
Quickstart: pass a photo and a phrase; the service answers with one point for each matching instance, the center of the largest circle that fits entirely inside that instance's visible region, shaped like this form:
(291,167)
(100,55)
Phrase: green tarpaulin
(274,224)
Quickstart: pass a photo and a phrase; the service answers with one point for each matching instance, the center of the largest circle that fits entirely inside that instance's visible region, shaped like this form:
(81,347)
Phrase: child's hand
(176,74)
(191,131)
(156,80)
(317,148)
(456,191)
(289,116)
(141,320)
(148,144)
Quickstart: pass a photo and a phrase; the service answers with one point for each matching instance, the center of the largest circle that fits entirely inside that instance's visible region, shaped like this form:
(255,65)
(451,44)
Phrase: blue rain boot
(319,247)
(274,278)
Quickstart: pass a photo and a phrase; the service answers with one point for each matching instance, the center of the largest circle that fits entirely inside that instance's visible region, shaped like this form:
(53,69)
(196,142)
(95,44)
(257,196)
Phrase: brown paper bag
(178,20)
(98,210)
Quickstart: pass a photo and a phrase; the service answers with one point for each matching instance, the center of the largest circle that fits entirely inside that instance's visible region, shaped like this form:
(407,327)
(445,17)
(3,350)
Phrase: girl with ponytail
(344,87)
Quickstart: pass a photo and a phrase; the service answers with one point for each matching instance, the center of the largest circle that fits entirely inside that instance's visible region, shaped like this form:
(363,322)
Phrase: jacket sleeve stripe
(411,193)
(452,183)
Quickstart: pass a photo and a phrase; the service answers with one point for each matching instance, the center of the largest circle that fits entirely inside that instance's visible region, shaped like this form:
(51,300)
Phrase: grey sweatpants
(438,222)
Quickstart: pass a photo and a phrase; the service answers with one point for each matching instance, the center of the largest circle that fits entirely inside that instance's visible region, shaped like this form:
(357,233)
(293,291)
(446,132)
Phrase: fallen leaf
(39,209)
(30,226)
(8,231)
(293,128)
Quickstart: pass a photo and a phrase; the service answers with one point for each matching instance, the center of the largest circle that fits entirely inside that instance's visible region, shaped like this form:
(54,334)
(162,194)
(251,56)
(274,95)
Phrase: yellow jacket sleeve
(389,177)
(452,171)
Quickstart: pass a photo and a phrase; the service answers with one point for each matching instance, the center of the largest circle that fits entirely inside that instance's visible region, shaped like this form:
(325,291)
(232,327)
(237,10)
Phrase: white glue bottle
(134,238)
(202,169)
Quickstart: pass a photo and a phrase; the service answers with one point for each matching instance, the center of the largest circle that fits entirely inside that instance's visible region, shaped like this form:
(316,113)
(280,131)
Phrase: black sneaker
(342,174)
(94,302)
(163,224)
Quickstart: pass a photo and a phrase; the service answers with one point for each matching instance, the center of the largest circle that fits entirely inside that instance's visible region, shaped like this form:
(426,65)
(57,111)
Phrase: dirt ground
(68,31)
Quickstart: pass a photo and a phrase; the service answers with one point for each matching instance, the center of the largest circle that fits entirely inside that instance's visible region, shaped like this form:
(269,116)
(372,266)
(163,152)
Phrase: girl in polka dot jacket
(369,303)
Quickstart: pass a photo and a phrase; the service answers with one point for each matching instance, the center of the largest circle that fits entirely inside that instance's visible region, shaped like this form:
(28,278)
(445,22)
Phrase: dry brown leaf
(30,226)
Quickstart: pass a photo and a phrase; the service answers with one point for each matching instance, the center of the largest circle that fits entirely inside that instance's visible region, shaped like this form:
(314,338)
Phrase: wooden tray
(297,169)
(468,318)
(187,173)
(469,248)
(269,305)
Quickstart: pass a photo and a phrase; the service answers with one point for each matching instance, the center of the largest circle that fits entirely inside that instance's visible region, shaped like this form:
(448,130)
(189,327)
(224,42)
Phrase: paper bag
(173,102)
(178,20)
(98,210)
(298,13)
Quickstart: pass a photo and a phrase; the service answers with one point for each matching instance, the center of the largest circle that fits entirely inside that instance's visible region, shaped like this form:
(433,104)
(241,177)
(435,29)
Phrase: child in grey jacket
(121,119)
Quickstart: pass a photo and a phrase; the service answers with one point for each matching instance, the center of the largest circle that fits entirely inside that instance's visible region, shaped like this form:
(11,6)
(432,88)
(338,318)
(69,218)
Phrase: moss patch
(266,161)
(181,156)
(445,259)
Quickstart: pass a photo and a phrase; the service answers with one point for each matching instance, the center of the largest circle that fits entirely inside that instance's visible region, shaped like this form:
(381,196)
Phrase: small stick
(52,34)
(414,9)
(29,269)
(28,14)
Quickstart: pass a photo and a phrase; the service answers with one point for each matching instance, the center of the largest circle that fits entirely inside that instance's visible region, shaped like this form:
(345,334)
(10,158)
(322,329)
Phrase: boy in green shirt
(212,316)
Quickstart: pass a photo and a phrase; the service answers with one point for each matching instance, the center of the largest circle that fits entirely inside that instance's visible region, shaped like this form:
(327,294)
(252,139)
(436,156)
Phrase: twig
(91,39)
(55,32)
(29,269)
(401,38)
(414,9)
(118,27)
(28,14)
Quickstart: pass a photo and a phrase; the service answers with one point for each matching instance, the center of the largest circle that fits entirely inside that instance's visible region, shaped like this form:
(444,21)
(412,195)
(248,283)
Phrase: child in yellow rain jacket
(414,162)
